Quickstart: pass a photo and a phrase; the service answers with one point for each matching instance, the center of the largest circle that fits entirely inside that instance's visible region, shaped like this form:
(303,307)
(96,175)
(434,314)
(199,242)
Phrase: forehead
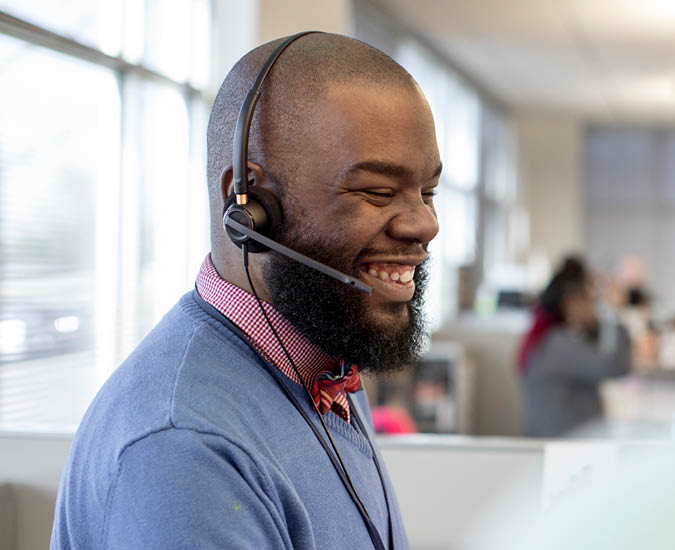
(355,123)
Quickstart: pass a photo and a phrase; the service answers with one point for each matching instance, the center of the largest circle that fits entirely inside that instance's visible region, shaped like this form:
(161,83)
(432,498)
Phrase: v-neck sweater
(191,443)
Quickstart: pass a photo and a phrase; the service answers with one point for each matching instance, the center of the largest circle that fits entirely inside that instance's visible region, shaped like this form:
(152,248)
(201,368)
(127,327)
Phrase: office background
(556,127)
(553,133)
(104,216)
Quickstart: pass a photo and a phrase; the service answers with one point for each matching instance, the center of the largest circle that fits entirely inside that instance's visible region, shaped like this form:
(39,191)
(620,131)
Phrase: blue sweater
(192,444)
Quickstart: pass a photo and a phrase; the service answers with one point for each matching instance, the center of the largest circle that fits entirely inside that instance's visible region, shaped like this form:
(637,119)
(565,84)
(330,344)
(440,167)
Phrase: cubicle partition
(455,492)
(447,485)
(443,483)
(30,471)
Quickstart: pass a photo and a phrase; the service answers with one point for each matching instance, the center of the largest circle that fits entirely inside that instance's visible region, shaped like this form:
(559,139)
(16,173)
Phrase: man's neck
(230,267)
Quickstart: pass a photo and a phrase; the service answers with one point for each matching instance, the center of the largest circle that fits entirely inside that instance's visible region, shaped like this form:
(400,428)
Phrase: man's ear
(256,176)
(226,183)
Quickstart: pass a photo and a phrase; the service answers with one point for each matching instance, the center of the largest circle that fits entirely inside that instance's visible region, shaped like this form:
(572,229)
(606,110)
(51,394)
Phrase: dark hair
(638,297)
(570,278)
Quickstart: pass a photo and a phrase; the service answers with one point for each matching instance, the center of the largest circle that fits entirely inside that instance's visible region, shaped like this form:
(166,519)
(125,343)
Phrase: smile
(391,281)
(396,273)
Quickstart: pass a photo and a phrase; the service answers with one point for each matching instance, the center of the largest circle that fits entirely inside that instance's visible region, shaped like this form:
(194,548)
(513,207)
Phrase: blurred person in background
(567,352)
(392,415)
(630,297)
(393,420)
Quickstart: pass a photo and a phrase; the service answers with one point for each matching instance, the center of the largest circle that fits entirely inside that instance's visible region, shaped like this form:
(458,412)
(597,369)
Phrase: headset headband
(243,128)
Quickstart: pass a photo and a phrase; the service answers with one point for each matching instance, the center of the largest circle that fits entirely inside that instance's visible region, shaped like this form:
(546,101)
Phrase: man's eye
(376,193)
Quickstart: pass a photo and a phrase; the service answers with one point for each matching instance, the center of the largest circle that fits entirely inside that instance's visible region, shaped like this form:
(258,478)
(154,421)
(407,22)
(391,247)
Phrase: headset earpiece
(262,213)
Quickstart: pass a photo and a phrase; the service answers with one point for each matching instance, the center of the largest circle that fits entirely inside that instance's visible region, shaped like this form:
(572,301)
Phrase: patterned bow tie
(329,387)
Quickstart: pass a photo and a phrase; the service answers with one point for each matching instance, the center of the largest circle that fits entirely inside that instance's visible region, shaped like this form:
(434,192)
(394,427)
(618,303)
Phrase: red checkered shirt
(241,308)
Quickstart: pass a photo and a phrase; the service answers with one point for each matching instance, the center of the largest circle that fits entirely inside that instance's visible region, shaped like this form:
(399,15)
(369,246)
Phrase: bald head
(286,118)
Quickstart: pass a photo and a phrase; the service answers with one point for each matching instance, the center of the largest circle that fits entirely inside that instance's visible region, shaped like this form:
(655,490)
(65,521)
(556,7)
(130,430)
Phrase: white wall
(278,19)
(241,26)
(235,26)
(550,168)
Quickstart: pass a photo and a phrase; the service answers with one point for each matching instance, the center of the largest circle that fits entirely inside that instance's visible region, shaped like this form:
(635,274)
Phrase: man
(195,442)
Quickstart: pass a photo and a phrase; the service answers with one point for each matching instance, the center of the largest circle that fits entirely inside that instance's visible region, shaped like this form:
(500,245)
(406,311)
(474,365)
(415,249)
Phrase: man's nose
(416,221)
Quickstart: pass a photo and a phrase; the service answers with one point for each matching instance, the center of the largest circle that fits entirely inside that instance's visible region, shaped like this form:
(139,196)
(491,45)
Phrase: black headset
(251,218)
(255,208)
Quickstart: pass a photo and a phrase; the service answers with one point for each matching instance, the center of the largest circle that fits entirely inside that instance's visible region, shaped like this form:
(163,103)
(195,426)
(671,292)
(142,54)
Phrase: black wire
(244,250)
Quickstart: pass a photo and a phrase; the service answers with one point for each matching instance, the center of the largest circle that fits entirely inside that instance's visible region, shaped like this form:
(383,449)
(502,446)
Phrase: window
(102,192)
(96,23)
(498,194)
(629,175)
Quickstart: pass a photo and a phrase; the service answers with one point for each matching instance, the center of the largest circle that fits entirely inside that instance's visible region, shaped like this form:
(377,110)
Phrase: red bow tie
(327,385)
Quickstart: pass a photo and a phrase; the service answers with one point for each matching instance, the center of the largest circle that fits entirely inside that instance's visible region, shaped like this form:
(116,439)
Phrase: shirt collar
(241,308)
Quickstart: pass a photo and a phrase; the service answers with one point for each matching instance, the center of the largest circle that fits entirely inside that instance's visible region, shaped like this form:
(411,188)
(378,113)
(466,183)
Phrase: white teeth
(399,277)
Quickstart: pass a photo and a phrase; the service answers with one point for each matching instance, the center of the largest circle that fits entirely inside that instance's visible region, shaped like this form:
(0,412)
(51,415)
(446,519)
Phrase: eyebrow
(383,168)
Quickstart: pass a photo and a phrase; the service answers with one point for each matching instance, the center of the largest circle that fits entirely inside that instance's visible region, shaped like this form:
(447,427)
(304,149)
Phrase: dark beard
(335,317)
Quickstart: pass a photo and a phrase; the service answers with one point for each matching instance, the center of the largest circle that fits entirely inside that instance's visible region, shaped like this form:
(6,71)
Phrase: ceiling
(603,59)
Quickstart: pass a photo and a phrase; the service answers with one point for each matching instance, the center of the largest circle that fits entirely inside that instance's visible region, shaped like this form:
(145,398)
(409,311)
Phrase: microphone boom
(296,256)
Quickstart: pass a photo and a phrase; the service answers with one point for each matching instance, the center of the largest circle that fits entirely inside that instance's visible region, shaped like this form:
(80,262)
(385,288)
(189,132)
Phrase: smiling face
(362,201)
(376,177)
